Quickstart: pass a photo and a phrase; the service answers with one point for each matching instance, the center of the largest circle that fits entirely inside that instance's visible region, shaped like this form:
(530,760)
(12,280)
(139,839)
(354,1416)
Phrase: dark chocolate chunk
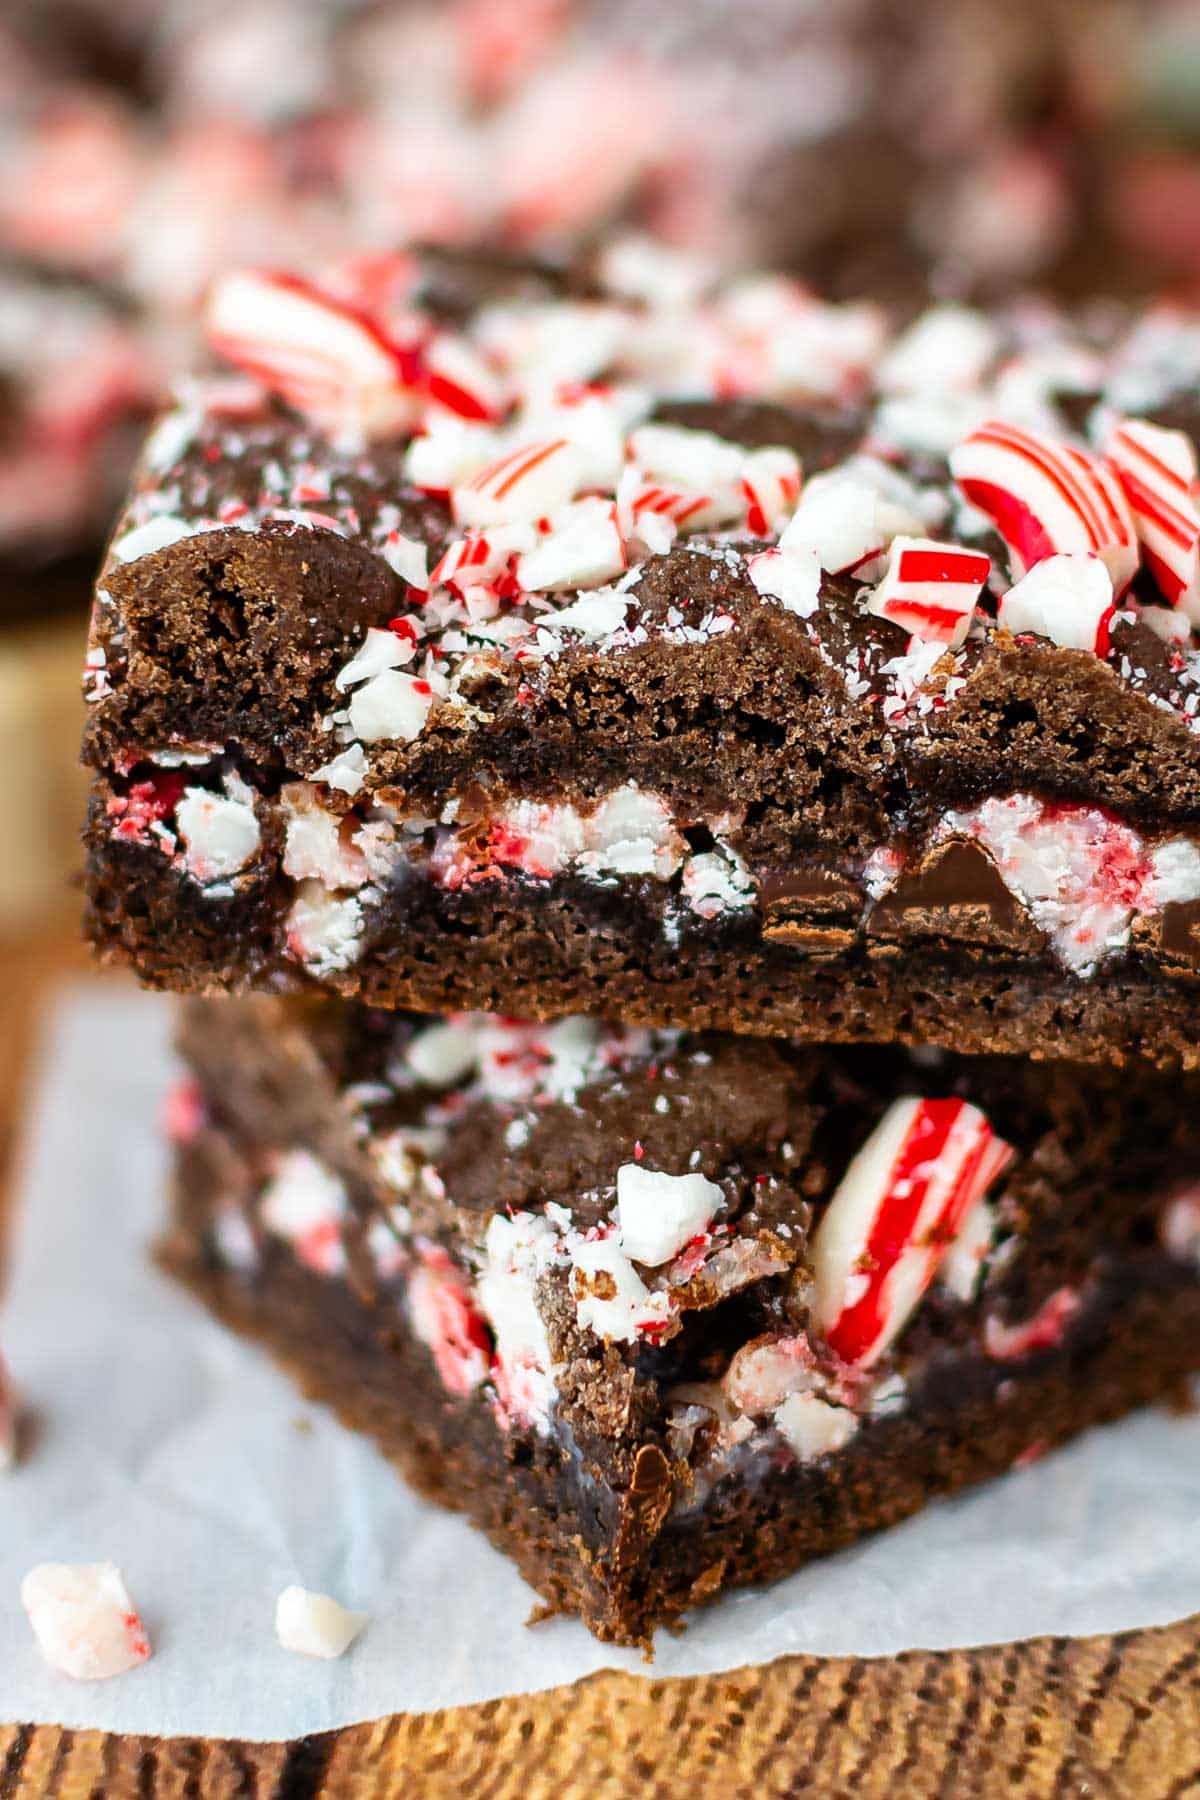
(956,892)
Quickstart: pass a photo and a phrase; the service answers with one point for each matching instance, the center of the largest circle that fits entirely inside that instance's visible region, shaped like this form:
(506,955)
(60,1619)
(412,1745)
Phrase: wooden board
(1096,1717)
(1101,1716)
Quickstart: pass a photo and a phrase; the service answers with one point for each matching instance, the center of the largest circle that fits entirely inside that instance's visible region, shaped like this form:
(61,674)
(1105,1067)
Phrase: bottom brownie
(717,1439)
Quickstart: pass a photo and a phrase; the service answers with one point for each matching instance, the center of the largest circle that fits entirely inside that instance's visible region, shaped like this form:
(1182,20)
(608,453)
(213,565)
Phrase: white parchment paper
(164,1445)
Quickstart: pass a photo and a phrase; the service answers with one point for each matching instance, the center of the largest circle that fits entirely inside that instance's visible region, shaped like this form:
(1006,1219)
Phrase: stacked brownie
(677,807)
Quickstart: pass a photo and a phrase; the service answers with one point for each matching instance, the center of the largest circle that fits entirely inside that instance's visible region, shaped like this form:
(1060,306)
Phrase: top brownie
(694,652)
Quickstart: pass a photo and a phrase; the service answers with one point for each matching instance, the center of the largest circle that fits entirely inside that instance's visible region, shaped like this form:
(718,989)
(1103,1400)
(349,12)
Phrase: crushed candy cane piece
(314,1625)
(583,548)
(930,589)
(1157,470)
(657,1214)
(1043,1330)
(791,576)
(322,355)
(895,1213)
(84,1621)
(845,519)
(530,482)
(1066,598)
(1044,497)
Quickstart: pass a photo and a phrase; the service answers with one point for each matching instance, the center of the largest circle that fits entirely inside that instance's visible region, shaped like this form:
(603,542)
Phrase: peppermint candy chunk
(304,1203)
(1046,497)
(530,482)
(459,380)
(658,1214)
(84,1621)
(391,708)
(323,356)
(1068,599)
(895,1213)
(447,1323)
(770,486)
(845,520)
(583,548)
(314,1625)
(793,577)
(930,589)
(1158,473)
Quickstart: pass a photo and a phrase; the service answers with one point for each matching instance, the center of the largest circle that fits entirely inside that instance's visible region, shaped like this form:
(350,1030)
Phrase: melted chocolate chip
(815,909)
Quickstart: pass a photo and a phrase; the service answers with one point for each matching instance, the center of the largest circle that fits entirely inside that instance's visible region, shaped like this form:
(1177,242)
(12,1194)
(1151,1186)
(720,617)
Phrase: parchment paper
(169,1448)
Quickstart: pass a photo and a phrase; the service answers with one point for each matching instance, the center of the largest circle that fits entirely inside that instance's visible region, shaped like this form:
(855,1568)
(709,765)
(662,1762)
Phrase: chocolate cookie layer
(557,691)
(591,1286)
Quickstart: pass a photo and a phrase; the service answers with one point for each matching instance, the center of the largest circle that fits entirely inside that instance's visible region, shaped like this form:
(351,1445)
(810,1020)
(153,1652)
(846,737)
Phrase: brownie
(76,392)
(666,1312)
(713,662)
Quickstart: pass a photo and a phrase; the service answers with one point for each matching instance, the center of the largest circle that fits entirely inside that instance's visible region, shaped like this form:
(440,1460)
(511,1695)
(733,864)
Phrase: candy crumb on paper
(84,1621)
(314,1625)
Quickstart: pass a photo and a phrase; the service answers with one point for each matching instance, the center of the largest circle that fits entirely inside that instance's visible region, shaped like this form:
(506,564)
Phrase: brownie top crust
(430,548)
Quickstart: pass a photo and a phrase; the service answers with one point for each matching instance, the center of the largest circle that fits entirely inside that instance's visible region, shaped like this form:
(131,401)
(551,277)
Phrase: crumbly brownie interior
(621,1559)
(358,1191)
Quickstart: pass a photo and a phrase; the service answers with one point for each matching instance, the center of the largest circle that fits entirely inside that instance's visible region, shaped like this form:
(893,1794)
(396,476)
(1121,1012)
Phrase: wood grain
(1098,1717)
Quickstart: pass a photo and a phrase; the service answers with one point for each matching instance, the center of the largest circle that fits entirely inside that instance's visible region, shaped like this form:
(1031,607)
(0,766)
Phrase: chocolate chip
(955,893)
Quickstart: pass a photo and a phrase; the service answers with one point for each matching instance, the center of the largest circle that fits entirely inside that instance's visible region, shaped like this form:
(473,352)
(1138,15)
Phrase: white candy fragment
(517,1251)
(84,1621)
(346,771)
(593,616)
(896,1210)
(324,930)
(792,576)
(715,882)
(220,833)
(812,1427)
(963,1262)
(947,347)
(444,1053)
(392,706)
(583,549)
(632,832)
(930,589)
(304,1203)
(314,1625)
(379,650)
(1066,598)
(845,518)
(657,1214)
(323,357)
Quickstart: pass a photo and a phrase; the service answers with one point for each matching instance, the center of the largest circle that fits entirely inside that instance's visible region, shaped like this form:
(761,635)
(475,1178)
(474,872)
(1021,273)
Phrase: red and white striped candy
(320,354)
(896,1211)
(529,482)
(481,557)
(1157,470)
(654,511)
(1068,599)
(770,488)
(930,589)
(1044,496)
(458,379)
